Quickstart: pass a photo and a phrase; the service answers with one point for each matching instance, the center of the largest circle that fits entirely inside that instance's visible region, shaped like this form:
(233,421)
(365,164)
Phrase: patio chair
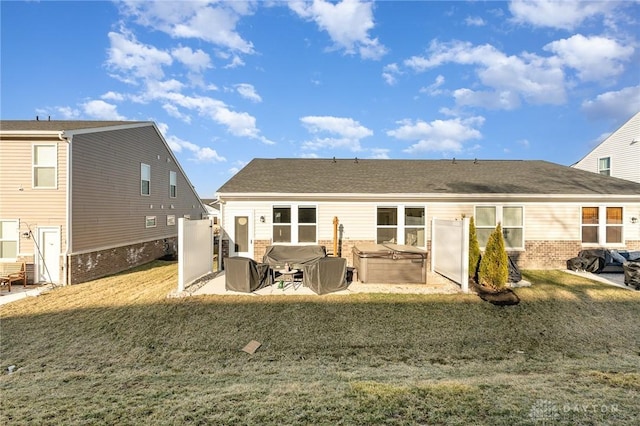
(325,275)
(245,275)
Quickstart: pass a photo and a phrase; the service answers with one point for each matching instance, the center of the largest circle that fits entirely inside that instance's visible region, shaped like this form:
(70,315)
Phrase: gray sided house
(548,212)
(84,199)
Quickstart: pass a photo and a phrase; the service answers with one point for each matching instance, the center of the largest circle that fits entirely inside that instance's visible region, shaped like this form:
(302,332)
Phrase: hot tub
(390,264)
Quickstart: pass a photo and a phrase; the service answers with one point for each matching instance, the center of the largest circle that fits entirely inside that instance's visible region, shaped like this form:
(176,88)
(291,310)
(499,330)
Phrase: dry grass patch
(117,351)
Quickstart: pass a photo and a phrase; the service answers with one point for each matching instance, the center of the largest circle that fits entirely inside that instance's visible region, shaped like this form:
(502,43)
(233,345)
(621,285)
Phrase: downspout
(66,259)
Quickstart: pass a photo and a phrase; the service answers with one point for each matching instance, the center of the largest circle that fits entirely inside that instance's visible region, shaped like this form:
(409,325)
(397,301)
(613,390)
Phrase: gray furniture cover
(295,256)
(245,275)
(325,275)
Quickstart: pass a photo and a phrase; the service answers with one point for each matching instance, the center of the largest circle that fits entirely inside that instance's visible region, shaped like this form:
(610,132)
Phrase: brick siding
(90,266)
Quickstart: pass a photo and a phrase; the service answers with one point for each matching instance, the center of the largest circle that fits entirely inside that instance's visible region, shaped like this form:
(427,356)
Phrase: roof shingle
(340,176)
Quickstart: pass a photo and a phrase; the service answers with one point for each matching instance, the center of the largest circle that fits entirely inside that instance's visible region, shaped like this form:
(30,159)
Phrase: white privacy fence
(450,250)
(195,250)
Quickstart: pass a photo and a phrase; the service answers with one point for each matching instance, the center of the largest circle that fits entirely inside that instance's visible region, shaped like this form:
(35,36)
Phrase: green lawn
(117,351)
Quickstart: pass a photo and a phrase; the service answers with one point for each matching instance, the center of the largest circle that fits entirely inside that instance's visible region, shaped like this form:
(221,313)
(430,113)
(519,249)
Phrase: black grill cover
(632,274)
(514,273)
(245,275)
(326,275)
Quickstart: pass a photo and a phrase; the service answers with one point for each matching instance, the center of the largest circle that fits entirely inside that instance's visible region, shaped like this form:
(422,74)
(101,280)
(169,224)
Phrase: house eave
(431,197)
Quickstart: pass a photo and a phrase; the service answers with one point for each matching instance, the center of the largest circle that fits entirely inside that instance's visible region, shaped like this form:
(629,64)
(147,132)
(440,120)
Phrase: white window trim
(499,219)
(147,220)
(401,226)
(142,180)
(175,183)
(601,170)
(602,227)
(33,166)
(294,222)
(17,240)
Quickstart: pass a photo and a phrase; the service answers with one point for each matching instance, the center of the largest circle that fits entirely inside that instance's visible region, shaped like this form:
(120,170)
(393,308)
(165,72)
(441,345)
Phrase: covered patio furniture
(278,255)
(325,275)
(245,275)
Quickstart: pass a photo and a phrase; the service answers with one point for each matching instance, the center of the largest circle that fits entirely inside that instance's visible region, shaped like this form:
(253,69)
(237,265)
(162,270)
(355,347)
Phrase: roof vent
(475,161)
(334,160)
(454,160)
(356,160)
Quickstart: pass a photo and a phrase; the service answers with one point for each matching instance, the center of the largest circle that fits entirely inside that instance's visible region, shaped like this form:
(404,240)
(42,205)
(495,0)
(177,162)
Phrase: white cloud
(439,135)
(173,111)
(196,61)
(200,154)
(565,15)
(595,58)
(113,96)
(132,60)
(346,132)
(235,63)
(533,78)
(348,24)
(618,105)
(101,110)
(475,21)
(380,153)
(434,88)
(247,91)
(390,72)
(213,22)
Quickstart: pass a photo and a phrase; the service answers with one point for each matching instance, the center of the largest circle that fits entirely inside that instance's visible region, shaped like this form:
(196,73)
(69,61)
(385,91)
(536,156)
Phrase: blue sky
(230,81)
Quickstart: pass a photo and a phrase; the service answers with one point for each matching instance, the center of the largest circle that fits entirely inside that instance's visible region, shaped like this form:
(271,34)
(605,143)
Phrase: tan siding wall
(107,207)
(18,198)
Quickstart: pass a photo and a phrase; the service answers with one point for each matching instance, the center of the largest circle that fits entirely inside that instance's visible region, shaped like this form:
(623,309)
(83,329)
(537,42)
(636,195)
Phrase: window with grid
(173,185)
(45,161)
(604,166)
(145,179)
(614,225)
(9,239)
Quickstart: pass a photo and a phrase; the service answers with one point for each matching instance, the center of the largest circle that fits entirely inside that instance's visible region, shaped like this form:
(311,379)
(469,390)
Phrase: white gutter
(63,137)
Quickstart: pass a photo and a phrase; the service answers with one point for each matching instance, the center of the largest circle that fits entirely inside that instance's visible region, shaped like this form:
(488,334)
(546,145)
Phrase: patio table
(289,276)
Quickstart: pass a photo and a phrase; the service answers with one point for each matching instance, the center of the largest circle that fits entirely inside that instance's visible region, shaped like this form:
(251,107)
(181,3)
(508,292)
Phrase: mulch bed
(503,297)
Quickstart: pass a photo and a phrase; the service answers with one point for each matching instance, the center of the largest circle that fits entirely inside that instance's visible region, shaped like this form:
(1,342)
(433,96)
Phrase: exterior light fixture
(262,219)
(634,219)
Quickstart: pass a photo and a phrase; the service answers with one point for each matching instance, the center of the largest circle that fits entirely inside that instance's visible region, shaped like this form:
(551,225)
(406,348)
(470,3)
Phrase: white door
(48,258)
(242,235)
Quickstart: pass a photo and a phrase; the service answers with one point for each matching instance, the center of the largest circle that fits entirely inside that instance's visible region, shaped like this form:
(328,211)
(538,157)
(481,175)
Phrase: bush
(474,251)
(494,265)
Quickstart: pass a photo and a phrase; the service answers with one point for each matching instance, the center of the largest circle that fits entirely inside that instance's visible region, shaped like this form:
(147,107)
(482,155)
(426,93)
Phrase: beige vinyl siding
(108,209)
(32,207)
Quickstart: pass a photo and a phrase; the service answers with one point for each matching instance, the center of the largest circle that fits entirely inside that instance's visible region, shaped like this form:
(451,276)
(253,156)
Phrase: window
(602,225)
(387,225)
(401,225)
(145,179)
(8,239)
(173,186)
(171,220)
(150,222)
(295,224)
(282,224)
(45,160)
(414,226)
(604,166)
(511,219)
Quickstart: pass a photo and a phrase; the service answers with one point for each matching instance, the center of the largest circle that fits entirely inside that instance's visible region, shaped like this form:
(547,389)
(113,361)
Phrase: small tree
(474,251)
(494,265)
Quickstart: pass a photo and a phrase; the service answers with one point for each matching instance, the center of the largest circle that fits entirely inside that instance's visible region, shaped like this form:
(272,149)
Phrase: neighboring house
(618,155)
(84,199)
(548,212)
(213,213)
